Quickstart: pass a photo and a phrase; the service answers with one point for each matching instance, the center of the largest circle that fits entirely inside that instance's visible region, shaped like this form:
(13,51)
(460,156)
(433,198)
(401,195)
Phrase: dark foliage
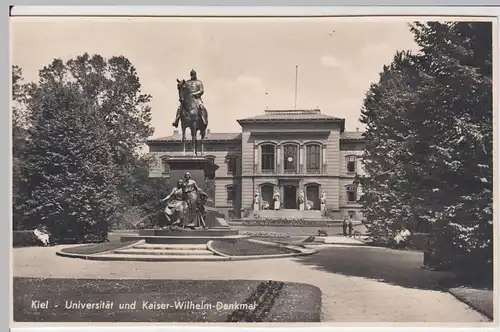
(429,160)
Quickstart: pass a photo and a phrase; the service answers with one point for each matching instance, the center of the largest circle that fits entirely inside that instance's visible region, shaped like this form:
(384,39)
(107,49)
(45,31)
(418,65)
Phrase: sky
(247,65)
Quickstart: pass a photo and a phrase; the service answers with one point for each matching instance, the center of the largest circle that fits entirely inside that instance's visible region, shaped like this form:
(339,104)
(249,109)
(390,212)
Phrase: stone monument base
(166,236)
(202,171)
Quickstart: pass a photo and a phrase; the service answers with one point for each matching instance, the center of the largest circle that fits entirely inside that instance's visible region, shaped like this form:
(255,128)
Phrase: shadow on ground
(397,267)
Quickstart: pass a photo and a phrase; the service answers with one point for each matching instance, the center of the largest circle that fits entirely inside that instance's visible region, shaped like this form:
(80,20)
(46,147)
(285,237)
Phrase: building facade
(288,150)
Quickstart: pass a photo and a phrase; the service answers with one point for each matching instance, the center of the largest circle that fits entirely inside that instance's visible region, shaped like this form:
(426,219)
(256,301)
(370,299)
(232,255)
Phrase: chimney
(357,129)
(176,132)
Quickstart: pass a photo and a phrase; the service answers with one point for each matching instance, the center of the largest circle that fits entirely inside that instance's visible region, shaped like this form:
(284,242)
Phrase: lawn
(104,300)
(248,248)
(479,299)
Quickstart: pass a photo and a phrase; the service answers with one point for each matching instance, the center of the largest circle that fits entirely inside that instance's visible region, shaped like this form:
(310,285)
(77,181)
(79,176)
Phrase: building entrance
(290,197)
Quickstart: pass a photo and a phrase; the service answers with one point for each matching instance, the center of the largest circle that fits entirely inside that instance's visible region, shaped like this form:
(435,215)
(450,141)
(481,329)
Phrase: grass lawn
(247,248)
(479,299)
(95,248)
(164,301)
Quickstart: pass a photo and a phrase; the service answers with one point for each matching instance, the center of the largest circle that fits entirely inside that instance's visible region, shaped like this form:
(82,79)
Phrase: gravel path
(346,297)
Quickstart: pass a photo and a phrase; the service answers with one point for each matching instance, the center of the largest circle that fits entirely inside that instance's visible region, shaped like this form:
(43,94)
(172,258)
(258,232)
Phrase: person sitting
(42,234)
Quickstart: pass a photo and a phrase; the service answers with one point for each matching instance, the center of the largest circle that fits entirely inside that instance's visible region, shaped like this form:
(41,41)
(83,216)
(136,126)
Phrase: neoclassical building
(288,150)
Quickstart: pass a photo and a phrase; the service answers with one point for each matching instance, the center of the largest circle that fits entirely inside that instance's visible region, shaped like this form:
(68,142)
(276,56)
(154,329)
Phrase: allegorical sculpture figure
(277,199)
(256,202)
(323,203)
(191,111)
(191,191)
(302,200)
(176,206)
(186,204)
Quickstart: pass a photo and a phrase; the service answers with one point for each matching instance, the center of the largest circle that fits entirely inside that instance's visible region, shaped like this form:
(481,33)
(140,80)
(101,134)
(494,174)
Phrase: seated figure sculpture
(186,205)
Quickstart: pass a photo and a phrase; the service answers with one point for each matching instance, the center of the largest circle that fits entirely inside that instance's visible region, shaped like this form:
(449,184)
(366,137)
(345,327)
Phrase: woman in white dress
(277,199)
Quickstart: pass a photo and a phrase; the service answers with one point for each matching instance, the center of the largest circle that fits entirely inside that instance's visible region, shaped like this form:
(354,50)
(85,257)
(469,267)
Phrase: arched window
(352,193)
(290,158)
(230,194)
(312,196)
(231,161)
(313,158)
(266,194)
(351,164)
(268,160)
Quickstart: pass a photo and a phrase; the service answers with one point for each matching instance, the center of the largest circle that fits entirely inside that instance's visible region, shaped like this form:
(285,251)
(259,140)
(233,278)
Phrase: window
(266,194)
(231,194)
(352,193)
(290,153)
(267,158)
(312,197)
(166,167)
(231,164)
(351,164)
(211,158)
(313,158)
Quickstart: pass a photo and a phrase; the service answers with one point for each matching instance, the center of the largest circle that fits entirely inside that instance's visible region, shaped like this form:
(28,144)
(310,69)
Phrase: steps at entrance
(172,250)
(291,213)
(150,246)
(165,252)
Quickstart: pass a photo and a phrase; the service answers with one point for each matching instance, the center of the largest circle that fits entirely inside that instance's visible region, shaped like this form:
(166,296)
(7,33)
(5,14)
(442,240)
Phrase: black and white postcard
(252,170)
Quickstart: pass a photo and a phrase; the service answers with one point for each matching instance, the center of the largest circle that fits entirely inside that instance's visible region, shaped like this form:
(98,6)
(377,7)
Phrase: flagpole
(296,80)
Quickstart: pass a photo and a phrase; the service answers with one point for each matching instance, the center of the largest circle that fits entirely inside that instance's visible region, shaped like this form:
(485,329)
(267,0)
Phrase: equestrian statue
(186,205)
(191,112)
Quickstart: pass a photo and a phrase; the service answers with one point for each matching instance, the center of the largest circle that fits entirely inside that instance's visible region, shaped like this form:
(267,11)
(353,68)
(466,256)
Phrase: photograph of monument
(252,170)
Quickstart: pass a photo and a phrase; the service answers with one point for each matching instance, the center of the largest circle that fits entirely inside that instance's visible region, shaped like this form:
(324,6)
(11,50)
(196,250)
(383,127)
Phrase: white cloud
(329,61)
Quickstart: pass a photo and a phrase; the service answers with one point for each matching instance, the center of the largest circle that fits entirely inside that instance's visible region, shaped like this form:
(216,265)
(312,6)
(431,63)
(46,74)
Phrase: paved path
(346,298)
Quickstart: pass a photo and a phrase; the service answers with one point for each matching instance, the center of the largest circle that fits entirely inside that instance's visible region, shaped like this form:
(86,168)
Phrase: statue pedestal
(202,171)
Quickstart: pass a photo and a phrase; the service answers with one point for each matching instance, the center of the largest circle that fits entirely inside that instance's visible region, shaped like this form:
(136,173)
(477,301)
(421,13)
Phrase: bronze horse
(191,117)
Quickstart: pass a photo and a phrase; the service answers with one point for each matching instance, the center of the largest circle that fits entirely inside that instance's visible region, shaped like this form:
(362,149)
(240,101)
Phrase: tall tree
(68,176)
(444,164)
(115,87)
(89,118)
(457,100)
(388,201)
(19,125)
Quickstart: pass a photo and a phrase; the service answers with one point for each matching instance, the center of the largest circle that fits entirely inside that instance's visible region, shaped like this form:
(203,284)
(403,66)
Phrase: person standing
(344,226)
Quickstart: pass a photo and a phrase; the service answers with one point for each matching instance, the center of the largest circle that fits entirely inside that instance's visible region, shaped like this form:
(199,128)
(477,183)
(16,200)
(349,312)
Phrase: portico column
(323,158)
(278,159)
(256,159)
(302,159)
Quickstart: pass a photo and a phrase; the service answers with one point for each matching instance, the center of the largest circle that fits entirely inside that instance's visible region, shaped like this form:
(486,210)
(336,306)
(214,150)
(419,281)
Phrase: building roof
(354,135)
(311,115)
(210,137)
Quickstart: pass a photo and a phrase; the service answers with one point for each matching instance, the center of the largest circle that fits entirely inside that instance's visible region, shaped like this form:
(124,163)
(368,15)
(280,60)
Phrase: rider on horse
(196,87)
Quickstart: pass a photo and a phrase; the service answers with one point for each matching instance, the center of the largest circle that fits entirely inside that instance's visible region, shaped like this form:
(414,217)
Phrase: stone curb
(89,256)
(159,258)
